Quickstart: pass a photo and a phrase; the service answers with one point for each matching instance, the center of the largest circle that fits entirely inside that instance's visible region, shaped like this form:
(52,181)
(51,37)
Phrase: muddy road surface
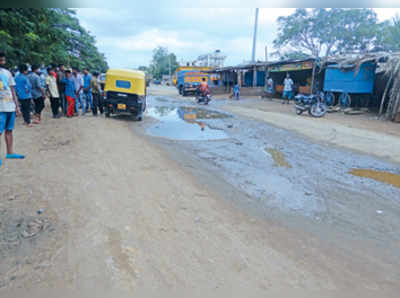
(194,201)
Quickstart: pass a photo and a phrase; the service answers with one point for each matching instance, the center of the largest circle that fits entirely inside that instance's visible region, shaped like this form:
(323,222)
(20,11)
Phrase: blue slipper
(15,156)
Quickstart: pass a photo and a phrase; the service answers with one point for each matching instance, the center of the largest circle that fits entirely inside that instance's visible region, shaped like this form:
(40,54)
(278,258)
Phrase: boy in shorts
(9,107)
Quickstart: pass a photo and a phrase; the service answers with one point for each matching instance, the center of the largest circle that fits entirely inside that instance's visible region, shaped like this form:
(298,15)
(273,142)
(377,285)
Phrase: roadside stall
(303,73)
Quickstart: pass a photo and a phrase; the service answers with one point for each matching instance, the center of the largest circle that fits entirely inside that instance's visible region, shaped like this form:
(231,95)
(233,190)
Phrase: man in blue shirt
(69,93)
(87,92)
(23,88)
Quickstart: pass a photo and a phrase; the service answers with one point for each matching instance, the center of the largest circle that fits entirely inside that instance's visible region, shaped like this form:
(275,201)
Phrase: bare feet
(28,124)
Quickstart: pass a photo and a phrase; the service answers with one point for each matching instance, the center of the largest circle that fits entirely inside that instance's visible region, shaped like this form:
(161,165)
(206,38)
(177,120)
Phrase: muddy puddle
(278,157)
(382,176)
(200,113)
(184,123)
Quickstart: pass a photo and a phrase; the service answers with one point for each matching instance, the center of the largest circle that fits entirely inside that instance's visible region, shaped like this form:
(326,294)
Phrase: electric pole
(253,55)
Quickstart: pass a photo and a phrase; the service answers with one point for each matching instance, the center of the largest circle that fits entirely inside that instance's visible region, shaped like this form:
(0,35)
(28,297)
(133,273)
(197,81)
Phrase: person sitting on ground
(204,87)
(51,83)
(23,88)
(287,89)
(9,107)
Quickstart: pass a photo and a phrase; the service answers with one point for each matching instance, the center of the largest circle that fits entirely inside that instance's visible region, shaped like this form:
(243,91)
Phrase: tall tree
(389,37)
(322,32)
(162,61)
(291,55)
(47,35)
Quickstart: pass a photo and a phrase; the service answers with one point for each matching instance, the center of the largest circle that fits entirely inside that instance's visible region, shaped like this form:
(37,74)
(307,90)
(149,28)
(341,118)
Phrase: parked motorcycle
(313,103)
(202,98)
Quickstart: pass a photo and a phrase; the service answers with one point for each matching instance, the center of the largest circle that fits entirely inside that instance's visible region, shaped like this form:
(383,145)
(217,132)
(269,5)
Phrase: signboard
(291,66)
(196,79)
(193,74)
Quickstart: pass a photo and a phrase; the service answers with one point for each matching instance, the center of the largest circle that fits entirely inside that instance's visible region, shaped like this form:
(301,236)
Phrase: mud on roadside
(29,235)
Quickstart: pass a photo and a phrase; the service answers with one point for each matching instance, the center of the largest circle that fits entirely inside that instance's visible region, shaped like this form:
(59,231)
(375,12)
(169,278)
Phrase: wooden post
(384,94)
(255,76)
(312,78)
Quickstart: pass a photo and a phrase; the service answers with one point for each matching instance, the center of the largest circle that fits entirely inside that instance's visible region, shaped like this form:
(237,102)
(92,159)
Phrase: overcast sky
(127,36)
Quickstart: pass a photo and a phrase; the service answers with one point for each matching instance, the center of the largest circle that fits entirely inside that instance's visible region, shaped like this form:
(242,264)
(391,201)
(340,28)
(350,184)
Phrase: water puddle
(278,157)
(162,99)
(200,113)
(382,176)
(183,123)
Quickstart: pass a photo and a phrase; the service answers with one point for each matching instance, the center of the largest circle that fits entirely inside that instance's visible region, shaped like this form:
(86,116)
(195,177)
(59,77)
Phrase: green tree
(389,37)
(162,61)
(47,35)
(291,55)
(322,32)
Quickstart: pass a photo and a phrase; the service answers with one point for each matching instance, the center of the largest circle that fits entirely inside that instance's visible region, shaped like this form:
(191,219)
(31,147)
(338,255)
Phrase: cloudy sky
(128,35)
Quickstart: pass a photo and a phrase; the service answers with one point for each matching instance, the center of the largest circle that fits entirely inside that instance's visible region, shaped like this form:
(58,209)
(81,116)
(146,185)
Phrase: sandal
(15,156)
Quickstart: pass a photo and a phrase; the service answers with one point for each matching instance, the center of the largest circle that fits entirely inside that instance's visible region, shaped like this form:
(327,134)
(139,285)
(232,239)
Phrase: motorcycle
(313,103)
(203,98)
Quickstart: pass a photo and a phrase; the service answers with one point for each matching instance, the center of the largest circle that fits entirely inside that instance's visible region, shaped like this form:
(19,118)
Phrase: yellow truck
(187,79)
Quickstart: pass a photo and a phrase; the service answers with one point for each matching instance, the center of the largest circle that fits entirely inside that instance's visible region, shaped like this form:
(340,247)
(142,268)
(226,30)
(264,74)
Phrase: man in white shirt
(9,107)
(287,89)
(52,88)
(78,81)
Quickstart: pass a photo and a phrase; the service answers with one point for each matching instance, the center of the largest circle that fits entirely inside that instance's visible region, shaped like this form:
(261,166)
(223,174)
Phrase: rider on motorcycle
(204,87)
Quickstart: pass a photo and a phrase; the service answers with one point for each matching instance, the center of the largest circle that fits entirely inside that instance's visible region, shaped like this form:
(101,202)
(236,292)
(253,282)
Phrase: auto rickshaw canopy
(126,81)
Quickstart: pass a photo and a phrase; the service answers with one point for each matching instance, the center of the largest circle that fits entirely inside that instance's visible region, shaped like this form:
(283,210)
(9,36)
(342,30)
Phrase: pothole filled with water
(184,123)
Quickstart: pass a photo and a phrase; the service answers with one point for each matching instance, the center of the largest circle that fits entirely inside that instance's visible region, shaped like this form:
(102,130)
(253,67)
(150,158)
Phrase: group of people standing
(68,90)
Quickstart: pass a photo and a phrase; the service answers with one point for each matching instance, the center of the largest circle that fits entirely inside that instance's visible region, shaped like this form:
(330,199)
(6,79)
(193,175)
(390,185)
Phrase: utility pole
(253,55)
(266,53)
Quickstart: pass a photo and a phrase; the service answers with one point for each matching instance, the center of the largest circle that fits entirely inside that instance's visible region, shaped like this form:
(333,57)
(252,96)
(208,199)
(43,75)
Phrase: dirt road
(118,215)
(364,141)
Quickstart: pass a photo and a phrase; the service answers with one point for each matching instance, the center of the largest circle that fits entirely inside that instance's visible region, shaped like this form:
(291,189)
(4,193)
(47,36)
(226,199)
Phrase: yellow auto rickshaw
(125,93)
